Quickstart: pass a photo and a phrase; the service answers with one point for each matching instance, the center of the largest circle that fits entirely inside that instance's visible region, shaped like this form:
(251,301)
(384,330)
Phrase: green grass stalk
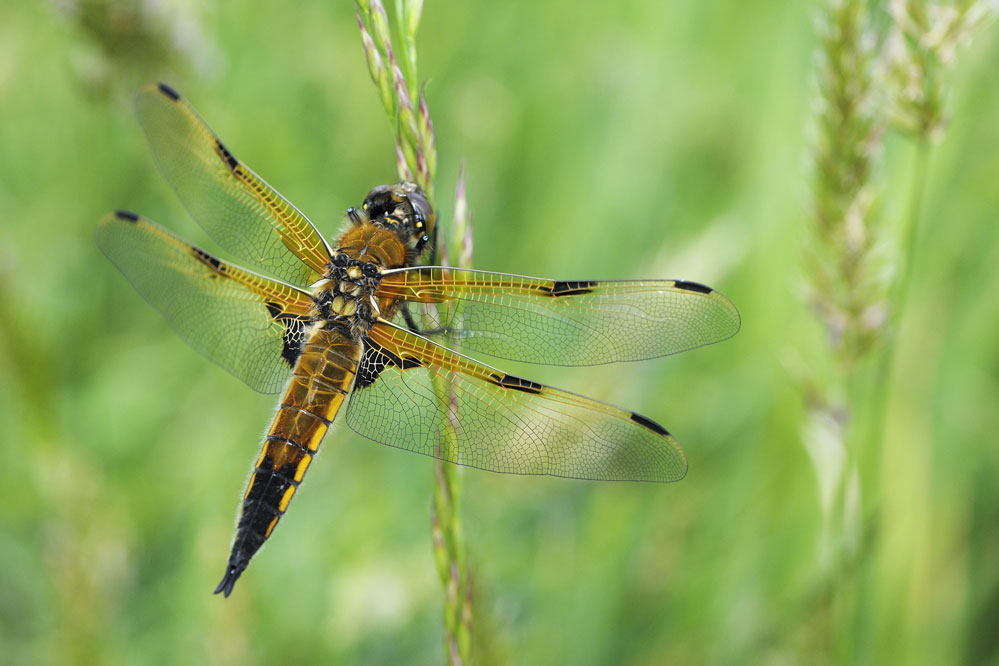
(449,549)
(867,84)
(846,291)
(921,45)
(416,160)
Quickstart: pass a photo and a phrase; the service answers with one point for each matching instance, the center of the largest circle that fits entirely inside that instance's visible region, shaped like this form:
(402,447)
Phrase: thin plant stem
(449,548)
(880,392)
(911,227)
(840,265)
(416,160)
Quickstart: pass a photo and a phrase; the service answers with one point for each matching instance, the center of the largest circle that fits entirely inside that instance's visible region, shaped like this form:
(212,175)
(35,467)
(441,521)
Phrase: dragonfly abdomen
(323,374)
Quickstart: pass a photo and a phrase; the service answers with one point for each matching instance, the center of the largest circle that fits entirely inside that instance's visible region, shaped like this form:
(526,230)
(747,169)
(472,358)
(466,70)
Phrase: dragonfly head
(405,208)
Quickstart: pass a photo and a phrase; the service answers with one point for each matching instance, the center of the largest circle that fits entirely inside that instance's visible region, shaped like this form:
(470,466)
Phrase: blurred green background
(601,140)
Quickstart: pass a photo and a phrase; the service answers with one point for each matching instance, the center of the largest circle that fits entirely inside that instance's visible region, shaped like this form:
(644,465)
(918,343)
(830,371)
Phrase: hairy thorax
(345,298)
(389,231)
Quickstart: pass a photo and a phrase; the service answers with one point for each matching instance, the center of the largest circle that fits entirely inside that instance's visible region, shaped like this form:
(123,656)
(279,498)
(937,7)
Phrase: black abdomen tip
(168,91)
(126,215)
(232,573)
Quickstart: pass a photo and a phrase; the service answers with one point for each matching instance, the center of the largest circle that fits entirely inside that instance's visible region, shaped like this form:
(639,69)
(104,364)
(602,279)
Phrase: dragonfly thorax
(346,296)
(389,230)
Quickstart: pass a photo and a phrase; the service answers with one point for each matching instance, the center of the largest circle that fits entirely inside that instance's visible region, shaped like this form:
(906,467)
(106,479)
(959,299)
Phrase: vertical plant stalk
(921,45)
(841,265)
(416,156)
(881,382)
(845,290)
(449,548)
(866,84)
(416,161)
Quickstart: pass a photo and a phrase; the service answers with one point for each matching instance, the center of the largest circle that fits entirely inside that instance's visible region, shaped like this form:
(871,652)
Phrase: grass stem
(416,160)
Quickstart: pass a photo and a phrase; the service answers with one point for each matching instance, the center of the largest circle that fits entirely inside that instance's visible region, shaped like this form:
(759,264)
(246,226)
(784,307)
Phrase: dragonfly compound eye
(424,216)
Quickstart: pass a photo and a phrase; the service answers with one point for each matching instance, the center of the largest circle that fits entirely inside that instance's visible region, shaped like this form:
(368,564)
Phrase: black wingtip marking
(226,155)
(517,383)
(126,215)
(168,91)
(572,288)
(650,424)
(693,286)
(232,573)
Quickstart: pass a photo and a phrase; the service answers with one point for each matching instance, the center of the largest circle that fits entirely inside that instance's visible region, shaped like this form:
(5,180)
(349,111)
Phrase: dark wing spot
(650,424)
(577,288)
(517,383)
(693,286)
(293,340)
(371,365)
(168,91)
(376,358)
(273,309)
(126,215)
(207,259)
(409,362)
(294,332)
(226,155)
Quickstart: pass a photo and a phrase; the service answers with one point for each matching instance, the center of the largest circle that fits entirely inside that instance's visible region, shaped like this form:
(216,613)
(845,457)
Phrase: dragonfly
(359,325)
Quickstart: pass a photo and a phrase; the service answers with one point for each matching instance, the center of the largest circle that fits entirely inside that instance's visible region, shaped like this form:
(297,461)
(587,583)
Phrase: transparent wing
(250,325)
(244,215)
(414,394)
(556,322)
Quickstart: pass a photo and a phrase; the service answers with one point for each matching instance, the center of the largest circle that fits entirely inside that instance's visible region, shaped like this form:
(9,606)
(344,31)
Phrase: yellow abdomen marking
(303,465)
(286,498)
(323,374)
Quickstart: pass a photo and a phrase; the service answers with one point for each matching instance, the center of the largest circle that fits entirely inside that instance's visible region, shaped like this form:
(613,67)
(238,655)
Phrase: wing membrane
(250,325)
(242,213)
(560,322)
(414,394)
